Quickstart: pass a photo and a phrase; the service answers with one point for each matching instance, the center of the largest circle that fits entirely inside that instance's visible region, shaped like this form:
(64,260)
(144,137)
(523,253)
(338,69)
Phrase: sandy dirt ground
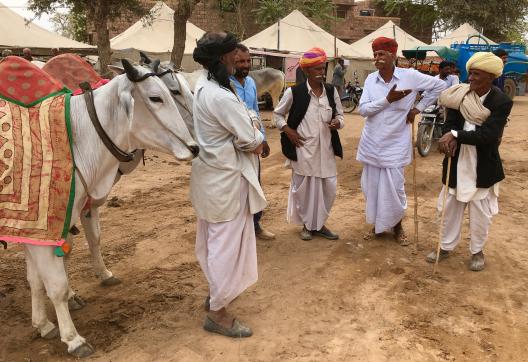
(319,300)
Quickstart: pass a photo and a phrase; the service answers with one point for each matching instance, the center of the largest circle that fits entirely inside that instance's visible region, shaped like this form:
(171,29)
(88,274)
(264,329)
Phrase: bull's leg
(75,302)
(39,316)
(92,230)
(51,270)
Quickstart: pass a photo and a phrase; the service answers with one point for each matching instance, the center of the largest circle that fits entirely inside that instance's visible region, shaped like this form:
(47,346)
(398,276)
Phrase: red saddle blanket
(36,163)
(24,83)
(72,70)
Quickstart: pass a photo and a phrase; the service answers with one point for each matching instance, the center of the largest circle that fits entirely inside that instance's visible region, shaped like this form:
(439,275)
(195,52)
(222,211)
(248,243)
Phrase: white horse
(137,112)
(183,98)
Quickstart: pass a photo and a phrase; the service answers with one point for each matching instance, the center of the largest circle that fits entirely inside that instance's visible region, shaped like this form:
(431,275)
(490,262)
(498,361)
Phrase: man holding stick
(476,116)
(385,146)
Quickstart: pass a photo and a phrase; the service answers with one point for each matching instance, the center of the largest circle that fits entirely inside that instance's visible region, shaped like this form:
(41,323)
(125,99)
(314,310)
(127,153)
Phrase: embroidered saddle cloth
(36,164)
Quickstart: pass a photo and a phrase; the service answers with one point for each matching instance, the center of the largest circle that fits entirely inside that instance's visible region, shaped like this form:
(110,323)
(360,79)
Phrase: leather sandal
(237,330)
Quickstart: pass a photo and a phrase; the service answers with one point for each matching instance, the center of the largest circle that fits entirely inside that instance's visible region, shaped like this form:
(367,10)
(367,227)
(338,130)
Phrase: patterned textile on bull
(72,70)
(36,164)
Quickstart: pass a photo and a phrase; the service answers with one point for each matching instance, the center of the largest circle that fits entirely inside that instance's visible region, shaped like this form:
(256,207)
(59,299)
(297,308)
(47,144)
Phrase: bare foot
(400,236)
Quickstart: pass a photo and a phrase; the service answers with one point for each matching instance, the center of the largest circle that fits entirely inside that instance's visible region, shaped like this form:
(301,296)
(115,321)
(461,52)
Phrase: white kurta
(225,191)
(314,182)
(227,253)
(226,136)
(483,202)
(385,143)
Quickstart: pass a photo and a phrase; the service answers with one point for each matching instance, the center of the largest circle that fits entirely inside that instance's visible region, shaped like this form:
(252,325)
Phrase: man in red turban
(387,44)
(385,149)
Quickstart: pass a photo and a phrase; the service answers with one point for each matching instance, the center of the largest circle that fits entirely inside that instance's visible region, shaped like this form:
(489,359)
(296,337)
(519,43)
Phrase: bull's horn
(145,58)
(155,65)
(130,71)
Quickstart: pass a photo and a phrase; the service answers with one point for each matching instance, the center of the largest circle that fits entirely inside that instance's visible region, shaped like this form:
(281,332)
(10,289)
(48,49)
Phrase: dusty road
(319,300)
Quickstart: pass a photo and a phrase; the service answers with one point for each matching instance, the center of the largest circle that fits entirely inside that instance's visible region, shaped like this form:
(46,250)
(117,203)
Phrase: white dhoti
(384,190)
(310,200)
(480,215)
(227,253)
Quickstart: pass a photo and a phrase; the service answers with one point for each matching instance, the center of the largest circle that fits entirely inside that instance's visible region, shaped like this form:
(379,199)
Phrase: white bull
(135,115)
(267,80)
(181,93)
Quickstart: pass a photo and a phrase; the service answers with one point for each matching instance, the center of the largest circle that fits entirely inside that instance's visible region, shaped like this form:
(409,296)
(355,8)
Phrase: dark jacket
(486,138)
(300,103)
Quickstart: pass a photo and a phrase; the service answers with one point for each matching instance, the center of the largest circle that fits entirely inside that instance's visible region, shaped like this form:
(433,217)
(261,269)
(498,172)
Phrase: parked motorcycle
(351,96)
(429,128)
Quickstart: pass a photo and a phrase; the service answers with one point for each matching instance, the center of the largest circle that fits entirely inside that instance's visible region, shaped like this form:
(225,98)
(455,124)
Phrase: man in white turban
(476,116)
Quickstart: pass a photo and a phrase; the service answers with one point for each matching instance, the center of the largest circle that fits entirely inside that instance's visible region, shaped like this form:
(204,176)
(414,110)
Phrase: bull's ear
(155,65)
(144,58)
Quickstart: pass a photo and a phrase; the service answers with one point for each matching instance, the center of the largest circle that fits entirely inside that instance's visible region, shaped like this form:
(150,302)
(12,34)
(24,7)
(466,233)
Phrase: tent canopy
(157,35)
(15,33)
(390,30)
(460,35)
(296,33)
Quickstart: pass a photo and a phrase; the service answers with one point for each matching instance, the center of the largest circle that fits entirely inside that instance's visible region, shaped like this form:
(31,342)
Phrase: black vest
(301,101)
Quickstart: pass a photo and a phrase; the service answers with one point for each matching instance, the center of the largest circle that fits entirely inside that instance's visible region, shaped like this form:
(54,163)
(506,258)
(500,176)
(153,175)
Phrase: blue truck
(515,70)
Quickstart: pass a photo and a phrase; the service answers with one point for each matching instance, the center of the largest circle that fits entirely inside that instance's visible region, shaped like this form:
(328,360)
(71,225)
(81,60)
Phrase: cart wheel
(510,87)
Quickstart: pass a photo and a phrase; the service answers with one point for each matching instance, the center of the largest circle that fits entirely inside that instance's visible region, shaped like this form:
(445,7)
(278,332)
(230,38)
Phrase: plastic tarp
(389,30)
(460,35)
(155,35)
(296,33)
(15,33)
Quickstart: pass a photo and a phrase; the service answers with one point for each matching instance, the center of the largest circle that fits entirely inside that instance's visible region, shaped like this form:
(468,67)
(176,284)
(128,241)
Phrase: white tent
(296,33)
(156,37)
(460,35)
(15,33)
(390,30)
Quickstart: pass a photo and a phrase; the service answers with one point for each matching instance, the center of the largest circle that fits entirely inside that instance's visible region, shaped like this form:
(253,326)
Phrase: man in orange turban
(310,141)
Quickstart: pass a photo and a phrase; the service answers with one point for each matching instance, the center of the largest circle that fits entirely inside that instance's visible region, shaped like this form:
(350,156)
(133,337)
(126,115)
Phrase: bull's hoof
(54,333)
(110,282)
(76,303)
(83,351)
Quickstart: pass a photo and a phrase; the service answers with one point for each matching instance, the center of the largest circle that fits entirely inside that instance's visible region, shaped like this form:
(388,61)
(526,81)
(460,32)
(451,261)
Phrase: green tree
(502,20)
(237,7)
(71,25)
(100,12)
(270,11)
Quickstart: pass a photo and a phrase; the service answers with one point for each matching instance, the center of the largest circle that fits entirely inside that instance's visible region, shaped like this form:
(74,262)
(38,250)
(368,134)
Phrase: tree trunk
(241,31)
(182,12)
(100,18)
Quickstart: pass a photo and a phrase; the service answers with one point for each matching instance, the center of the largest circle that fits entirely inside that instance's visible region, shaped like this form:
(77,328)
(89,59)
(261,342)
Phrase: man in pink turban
(310,141)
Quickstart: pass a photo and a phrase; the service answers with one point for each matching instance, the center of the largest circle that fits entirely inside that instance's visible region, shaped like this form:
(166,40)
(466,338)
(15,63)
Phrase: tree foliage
(99,11)
(502,20)
(270,11)
(71,25)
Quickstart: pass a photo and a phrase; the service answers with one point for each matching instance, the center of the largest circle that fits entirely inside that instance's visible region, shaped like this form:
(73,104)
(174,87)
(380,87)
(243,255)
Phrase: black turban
(208,51)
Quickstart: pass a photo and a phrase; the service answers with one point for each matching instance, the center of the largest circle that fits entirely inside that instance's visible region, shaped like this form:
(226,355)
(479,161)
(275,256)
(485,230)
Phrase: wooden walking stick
(414,189)
(446,191)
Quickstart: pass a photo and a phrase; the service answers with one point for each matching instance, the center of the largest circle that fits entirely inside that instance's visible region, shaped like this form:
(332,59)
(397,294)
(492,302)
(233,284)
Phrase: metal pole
(278,35)
(335,31)
(394,31)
